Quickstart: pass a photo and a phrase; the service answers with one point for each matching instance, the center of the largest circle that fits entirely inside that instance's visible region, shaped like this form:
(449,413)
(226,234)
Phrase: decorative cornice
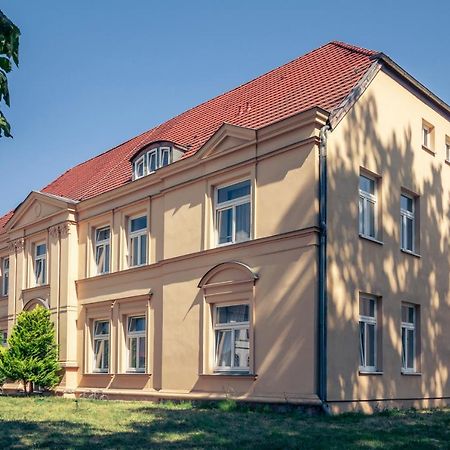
(63,230)
(17,245)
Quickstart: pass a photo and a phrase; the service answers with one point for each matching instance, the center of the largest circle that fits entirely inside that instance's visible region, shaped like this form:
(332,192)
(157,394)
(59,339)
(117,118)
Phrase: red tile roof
(323,77)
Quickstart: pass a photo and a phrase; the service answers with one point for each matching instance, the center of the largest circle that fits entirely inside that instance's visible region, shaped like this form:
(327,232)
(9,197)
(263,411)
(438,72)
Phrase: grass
(43,422)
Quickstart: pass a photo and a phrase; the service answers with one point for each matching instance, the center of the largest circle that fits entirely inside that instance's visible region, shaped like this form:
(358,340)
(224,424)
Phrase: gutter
(322,262)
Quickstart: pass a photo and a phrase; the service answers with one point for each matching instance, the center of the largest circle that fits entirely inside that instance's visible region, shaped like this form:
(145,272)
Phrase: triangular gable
(37,206)
(228,137)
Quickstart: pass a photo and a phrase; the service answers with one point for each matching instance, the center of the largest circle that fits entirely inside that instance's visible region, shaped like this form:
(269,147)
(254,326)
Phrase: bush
(32,354)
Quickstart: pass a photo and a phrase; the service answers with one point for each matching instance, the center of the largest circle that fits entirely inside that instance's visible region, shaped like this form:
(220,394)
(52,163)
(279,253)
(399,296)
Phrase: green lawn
(53,422)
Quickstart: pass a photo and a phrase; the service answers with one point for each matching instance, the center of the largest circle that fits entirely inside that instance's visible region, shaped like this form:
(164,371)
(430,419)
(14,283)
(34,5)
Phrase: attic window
(153,158)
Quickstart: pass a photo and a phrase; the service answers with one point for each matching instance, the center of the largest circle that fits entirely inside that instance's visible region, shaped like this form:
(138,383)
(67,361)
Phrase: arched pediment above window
(153,156)
(33,303)
(231,272)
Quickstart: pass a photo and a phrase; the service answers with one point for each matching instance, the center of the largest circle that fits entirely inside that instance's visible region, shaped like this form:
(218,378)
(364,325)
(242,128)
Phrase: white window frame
(368,320)
(231,327)
(367,197)
(218,207)
(404,216)
(43,259)
(5,276)
(162,151)
(427,136)
(104,243)
(447,150)
(153,151)
(409,326)
(100,337)
(137,335)
(141,160)
(137,235)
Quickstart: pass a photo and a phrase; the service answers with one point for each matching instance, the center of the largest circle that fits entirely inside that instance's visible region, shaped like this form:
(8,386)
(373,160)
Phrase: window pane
(136,324)
(141,354)
(143,255)
(134,251)
(367,307)
(99,258)
(370,219)
(241,348)
(133,352)
(101,328)
(152,161)
(223,348)
(165,157)
(40,249)
(106,266)
(411,314)
(103,234)
(362,344)
(410,349)
(406,203)
(6,264)
(366,184)
(39,271)
(225,222)
(404,348)
(101,354)
(409,234)
(140,223)
(232,314)
(370,345)
(361,215)
(242,222)
(235,191)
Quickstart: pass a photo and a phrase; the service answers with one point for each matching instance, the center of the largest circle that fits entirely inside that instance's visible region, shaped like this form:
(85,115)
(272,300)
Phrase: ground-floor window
(367,333)
(101,346)
(136,345)
(231,338)
(409,337)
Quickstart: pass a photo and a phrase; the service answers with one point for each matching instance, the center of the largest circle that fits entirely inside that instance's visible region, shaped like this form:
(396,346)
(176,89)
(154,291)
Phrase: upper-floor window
(40,264)
(409,337)
(232,338)
(367,206)
(447,148)
(153,159)
(233,213)
(137,241)
(5,276)
(407,222)
(427,135)
(136,344)
(101,346)
(102,249)
(368,333)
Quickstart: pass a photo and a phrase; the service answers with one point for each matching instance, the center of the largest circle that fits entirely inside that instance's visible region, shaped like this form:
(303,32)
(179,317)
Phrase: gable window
(367,333)
(233,211)
(5,276)
(102,249)
(136,344)
(409,339)
(140,168)
(137,241)
(367,206)
(40,264)
(407,222)
(231,338)
(152,158)
(165,156)
(101,346)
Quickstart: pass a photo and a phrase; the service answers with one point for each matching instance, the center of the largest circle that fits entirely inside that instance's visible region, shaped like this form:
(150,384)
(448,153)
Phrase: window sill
(411,374)
(3,297)
(370,372)
(371,239)
(429,150)
(409,252)
(244,376)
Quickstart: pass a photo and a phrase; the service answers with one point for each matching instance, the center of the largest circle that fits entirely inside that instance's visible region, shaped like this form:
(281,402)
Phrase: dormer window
(154,157)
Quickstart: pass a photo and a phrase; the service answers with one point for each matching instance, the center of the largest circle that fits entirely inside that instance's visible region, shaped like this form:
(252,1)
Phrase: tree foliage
(32,354)
(9,54)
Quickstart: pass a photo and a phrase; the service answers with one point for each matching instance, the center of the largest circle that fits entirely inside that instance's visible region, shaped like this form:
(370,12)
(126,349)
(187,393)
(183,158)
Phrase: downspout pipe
(322,275)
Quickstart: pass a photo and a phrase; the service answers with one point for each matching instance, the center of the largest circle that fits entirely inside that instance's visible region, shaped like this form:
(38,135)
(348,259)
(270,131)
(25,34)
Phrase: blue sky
(96,73)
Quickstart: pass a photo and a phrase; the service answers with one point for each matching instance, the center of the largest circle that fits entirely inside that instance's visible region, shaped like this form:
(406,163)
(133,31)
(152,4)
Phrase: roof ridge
(354,48)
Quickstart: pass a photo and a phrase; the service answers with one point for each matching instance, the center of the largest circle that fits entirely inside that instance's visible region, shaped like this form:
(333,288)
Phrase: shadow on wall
(356,265)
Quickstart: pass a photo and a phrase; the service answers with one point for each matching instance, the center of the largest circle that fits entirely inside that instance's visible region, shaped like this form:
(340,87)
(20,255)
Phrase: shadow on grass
(213,428)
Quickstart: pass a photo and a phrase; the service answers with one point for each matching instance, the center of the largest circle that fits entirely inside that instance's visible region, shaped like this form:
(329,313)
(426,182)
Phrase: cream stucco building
(287,241)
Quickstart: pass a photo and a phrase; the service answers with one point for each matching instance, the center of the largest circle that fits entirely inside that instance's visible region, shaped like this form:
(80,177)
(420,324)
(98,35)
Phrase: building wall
(382,134)
(281,162)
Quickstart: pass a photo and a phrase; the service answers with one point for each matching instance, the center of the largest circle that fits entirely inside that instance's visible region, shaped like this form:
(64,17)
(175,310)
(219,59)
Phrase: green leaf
(5,64)
(5,129)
